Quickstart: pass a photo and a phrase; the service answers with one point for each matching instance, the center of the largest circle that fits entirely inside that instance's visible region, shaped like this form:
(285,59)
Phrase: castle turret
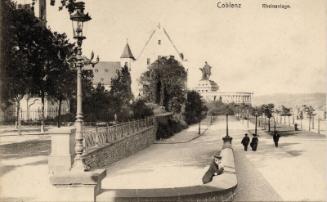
(127,57)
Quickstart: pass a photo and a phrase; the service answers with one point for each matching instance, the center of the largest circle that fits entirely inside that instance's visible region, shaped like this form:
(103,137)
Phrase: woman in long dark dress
(254,142)
(216,168)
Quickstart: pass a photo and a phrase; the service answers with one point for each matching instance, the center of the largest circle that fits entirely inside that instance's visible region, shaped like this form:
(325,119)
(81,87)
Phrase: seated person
(216,168)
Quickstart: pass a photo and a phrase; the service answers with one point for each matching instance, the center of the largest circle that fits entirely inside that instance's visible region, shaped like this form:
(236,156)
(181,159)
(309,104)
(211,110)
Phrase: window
(148,61)
(96,70)
(159,42)
(106,70)
(102,79)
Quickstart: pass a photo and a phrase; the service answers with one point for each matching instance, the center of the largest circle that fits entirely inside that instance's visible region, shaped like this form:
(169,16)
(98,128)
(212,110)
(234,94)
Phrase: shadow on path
(25,149)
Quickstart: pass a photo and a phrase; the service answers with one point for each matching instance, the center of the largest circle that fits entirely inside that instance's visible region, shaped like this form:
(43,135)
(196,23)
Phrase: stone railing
(95,136)
(108,144)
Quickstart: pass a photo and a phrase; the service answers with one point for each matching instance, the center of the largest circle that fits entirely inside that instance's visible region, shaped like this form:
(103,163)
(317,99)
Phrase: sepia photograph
(163,100)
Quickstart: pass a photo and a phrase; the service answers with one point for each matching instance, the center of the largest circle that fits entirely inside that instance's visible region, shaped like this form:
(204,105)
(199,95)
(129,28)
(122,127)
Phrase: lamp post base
(227,139)
(79,165)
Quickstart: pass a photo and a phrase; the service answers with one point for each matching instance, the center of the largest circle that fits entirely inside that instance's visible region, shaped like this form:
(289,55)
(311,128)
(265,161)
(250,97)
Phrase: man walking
(254,142)
(276,137)
(245,142)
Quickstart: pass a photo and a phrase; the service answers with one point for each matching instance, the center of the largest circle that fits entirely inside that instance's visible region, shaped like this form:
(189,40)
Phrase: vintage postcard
(165,100)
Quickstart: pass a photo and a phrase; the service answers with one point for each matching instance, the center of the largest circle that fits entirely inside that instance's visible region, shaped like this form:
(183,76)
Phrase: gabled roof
(127,53)
(162,29)
(104,71)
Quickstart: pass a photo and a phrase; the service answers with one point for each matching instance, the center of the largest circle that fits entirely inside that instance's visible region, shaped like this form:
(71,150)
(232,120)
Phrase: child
(216,168)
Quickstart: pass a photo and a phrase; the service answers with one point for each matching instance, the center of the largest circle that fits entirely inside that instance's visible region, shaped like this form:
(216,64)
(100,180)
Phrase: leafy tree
(268,110)
(44,64)
(285,112)
(309,110)
(194,107)
(65,79)
(98,104)
(164,83)
(121,93)
(22,35)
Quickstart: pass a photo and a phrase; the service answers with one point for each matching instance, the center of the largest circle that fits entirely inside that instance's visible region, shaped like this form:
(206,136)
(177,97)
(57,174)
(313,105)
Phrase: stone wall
(105,155)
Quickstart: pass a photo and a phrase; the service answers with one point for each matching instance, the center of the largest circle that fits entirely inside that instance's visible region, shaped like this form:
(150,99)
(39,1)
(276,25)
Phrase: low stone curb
(222,187)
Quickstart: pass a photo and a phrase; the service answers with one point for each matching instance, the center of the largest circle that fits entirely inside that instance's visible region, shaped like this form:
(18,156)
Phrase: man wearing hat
(216,168)
(245,142)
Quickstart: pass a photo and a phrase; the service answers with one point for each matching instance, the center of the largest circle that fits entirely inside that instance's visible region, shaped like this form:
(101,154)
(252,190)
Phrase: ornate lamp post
(78,17)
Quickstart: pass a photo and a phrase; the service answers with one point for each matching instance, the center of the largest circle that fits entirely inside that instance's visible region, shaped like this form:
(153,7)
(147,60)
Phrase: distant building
(209,90)
(103,72)
(158,45)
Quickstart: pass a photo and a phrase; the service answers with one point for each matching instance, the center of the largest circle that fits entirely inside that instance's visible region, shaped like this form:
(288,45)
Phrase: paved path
(296,171)
(168,165)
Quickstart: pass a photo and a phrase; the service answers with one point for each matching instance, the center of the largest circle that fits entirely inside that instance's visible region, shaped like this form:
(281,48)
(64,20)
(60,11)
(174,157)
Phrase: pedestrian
(276,137)
(254,142)
(245,142)
(216,168)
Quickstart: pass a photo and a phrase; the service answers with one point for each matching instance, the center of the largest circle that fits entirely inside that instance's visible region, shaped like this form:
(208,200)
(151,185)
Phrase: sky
(251,49)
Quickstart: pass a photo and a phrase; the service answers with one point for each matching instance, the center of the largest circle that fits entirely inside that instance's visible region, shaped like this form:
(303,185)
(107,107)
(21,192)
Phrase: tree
(194,107)
(121,93)
(164,83)
(44,63)
(21,33)
(64,80)
(98,104)
(268,110)
(285,112)
(309,110)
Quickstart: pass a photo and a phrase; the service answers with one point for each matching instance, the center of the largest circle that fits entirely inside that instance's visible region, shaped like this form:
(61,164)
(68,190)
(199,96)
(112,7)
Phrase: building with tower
(159,44)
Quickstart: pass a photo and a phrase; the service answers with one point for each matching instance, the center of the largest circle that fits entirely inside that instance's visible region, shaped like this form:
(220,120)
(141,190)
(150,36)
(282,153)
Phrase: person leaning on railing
(216,168)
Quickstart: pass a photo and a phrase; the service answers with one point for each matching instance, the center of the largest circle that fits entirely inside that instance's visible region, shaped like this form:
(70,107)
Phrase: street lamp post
(227,138)
(78,17)
(256,123)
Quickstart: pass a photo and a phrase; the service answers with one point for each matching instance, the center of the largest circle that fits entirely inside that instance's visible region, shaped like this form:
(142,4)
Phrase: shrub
(194,107)
(140,110)
(166,130)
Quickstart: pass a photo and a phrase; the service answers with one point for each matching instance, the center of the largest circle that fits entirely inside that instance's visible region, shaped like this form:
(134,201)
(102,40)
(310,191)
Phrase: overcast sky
(250,49)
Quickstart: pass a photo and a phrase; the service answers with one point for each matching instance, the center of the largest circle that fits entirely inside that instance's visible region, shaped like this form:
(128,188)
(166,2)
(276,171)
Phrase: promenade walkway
(296,170)
(178,161)
(293,172)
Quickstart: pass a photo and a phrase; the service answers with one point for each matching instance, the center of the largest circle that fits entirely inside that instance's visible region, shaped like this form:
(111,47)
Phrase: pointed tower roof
(127,53)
